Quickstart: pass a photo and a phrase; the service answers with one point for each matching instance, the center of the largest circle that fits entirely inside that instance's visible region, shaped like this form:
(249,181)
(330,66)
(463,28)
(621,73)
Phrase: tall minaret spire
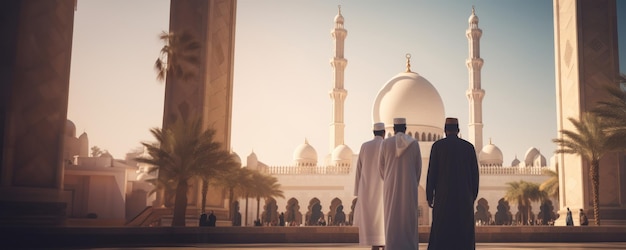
(338,93)
(475,93)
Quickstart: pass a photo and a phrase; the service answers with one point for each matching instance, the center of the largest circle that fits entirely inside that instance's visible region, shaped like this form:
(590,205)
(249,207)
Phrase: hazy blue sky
(283,75)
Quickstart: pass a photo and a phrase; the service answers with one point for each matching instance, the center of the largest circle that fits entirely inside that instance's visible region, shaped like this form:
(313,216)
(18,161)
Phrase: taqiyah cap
(379,126)
(399,120)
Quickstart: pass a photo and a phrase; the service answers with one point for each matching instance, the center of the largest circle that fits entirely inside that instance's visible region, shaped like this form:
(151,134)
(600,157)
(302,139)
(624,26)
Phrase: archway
(293,217)
(270,212)
(314,213)
(482,215)
(503,215)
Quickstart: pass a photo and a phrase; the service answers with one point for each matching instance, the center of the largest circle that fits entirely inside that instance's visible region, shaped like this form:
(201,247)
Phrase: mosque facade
(315,189)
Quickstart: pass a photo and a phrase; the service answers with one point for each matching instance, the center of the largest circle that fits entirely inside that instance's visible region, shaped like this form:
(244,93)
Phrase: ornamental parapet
(308,170)
(494,170)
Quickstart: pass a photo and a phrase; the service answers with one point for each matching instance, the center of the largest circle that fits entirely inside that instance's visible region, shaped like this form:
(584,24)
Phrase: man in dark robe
(451,190)
(203,220)
(212,219)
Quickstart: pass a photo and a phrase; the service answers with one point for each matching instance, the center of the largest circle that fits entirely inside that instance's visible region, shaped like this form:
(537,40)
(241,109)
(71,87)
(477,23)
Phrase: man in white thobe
(368,188)
(400,169)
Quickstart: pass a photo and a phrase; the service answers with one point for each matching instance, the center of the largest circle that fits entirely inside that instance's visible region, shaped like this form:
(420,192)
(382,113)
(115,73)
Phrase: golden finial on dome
(408,62)
(473,11)
(339,6)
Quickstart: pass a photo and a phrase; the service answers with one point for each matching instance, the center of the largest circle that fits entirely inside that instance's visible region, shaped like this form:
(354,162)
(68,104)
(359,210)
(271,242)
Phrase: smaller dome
(339,17)
(83,136)
(490,155)
(515,162)
(70,128)
(473,18)
(342,153)
(236,157)
(530,156)
(252,160)
(305,154)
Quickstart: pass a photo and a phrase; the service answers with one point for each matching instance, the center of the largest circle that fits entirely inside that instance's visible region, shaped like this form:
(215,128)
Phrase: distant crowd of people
(207,220)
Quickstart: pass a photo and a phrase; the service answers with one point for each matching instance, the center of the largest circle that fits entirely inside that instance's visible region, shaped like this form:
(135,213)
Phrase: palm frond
(178,56)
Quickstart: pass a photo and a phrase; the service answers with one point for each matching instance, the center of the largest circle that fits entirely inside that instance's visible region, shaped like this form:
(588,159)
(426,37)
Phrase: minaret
(338,93)
(475,93)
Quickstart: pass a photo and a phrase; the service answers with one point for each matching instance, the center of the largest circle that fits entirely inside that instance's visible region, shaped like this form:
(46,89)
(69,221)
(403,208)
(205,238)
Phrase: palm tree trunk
(258,206)
(595,186)
(528,212)
(246,209)
(180,204)
(231,210)
(205,190)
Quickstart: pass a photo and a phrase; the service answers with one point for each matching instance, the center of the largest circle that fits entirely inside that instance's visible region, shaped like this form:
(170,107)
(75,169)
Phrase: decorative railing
(342,170)
(493,170)
(310,170)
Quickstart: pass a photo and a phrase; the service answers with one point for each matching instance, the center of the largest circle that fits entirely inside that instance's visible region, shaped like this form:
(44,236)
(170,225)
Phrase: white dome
(530,156)
(473,18)
(339,18)
(490,155)
(342,153)
(70,128)
(411,96)
(305,154)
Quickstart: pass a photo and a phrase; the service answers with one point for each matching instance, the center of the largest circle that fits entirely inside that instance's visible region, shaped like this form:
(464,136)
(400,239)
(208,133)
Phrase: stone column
(208,95)
(586,57)
(35,55)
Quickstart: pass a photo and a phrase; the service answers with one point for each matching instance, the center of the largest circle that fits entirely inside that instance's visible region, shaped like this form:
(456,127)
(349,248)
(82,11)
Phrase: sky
(282,73)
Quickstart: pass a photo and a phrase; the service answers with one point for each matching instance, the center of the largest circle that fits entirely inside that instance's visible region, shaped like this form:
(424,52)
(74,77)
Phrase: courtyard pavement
(330,246)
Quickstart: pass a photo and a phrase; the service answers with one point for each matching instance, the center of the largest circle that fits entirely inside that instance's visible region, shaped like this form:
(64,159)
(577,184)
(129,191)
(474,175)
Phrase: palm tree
(265,186)
(591,141)
(524,193)
(178,57)
(182,152)
(221,165)
(613,110)
(237,182)
(551,185)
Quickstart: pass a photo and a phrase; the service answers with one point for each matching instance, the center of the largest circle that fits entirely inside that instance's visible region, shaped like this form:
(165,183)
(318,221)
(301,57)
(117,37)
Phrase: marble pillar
(35,54)
(586,57)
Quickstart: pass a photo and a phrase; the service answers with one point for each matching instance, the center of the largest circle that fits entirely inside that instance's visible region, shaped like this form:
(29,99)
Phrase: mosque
(315,189)
(115,190)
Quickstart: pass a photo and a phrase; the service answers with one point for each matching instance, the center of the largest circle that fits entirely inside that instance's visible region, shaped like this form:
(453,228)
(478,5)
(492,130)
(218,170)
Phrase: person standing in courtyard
(569,220)
(400,169)
(582,218)
(212,219)
(451,189)
(368,188)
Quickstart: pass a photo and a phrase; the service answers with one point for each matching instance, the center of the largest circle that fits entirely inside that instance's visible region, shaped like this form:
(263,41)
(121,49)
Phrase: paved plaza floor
(330,246)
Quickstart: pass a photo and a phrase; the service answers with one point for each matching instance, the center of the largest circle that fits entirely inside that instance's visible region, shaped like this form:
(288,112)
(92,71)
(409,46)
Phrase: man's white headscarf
(402,140)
